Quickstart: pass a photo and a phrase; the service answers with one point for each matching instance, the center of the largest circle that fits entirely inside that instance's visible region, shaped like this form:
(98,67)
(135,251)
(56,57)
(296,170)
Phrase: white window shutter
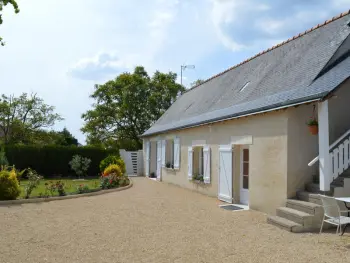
(206,165)
(190,162)
(163,152)
(177,153)
(147,157)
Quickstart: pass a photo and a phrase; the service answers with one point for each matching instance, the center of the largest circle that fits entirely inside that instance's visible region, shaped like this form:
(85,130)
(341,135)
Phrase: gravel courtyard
(154,222)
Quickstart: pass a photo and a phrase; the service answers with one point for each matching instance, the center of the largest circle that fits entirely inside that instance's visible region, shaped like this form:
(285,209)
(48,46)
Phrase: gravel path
(154,222)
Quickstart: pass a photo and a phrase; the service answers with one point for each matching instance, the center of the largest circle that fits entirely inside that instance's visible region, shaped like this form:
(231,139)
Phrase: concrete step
(296,216)
(309,197)
(285,224)
(307,207)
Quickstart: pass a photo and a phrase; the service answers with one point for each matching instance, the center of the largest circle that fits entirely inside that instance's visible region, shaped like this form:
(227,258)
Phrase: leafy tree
(45,137)
(65,138)
(2,4)
(127,106)
(22,116)
(197,82)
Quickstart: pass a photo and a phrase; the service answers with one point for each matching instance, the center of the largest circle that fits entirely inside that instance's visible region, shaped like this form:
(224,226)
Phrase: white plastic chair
(332,214)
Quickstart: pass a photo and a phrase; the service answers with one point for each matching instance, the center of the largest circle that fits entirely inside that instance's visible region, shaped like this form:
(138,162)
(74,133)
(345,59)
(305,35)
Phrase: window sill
(172,169)
(197,182)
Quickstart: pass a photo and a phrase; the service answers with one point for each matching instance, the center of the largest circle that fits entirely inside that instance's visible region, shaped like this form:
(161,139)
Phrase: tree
(127,106)
(197,82)
(22,116)
(45,137)
(2,4)
(65,138)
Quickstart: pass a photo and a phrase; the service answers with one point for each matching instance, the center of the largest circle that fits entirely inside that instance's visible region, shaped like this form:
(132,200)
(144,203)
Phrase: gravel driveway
(154,222)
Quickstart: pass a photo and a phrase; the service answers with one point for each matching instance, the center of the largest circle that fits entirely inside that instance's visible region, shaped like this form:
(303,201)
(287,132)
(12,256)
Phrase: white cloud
(251,23)
(140,44)
(102,66)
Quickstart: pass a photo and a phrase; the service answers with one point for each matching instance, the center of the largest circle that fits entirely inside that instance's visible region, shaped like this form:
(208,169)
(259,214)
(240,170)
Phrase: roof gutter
(278,106)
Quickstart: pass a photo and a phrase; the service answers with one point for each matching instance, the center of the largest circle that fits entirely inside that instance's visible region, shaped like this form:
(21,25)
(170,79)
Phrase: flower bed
(13,187)
(70,187)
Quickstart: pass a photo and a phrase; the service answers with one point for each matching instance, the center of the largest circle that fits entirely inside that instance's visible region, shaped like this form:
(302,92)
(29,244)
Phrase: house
(243,132)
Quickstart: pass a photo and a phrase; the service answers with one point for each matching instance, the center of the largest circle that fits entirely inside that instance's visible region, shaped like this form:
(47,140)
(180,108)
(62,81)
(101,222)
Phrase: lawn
(70,186)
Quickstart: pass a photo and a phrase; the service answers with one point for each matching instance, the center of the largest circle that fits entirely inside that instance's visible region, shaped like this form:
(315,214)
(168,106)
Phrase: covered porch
(333,140)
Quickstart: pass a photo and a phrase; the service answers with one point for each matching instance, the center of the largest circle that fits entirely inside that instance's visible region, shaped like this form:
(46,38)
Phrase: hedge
(53,161)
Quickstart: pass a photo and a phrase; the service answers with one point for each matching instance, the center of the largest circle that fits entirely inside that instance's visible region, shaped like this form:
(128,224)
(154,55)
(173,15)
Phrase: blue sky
(61,48)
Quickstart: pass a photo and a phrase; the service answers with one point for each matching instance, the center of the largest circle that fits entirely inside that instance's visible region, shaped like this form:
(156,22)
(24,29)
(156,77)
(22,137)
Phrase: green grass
(70,186)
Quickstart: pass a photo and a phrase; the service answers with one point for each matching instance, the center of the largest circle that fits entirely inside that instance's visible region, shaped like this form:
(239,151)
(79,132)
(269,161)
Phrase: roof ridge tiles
(274,47)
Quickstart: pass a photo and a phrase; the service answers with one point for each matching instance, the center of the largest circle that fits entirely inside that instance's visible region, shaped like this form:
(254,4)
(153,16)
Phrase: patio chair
(332,214)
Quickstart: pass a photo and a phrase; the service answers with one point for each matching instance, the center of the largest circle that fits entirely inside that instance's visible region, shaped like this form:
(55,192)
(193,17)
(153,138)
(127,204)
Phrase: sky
(60,49)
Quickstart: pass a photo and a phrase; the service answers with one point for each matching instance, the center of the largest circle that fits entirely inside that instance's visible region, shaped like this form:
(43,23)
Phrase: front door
(244,178)
(225,173)
(159,160)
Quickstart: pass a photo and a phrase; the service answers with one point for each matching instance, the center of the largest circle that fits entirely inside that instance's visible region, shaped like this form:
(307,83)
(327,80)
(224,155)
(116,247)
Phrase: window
(245,169)
(198,162)
(171,153)
(169,156)
(245,85)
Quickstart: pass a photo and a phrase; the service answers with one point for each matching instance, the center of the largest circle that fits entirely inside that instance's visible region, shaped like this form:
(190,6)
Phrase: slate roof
(283,75)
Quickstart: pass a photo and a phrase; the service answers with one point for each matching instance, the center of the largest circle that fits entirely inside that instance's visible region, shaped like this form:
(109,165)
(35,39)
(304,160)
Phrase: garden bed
(71,186)
(92,192)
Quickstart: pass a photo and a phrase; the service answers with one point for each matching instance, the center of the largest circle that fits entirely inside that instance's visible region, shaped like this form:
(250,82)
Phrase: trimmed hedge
(53,161)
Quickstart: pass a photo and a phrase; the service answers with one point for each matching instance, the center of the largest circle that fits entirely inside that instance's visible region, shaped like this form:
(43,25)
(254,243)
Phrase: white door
(244,177)
(225,173)
(159,160)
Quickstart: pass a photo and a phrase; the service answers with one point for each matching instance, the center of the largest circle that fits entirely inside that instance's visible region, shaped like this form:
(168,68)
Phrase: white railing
(339,153)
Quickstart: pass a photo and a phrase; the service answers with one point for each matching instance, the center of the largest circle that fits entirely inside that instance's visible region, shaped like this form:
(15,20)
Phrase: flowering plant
(83,188)
(113,181)
(312,122)
(54,187)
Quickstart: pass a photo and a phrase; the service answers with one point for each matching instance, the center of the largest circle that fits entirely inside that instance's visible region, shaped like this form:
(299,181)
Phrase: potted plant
(313,126)
(197,178)
(168,165)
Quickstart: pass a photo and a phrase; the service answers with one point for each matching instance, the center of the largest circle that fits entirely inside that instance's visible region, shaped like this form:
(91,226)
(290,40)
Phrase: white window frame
(169,154)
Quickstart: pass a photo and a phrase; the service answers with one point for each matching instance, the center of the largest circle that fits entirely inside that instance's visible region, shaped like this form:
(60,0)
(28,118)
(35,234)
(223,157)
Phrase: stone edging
(42,200)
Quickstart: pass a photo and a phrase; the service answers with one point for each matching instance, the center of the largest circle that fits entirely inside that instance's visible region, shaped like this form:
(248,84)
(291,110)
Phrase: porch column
(323,145)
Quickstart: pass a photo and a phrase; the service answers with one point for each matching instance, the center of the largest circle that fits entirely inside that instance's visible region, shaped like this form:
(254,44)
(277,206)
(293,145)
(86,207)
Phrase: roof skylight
(245,85)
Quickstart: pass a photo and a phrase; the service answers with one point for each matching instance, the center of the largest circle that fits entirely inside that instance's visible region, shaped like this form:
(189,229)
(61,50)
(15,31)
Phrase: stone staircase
(304,213)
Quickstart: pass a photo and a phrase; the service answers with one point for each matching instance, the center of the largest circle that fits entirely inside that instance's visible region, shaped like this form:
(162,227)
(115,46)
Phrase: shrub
(113,169)
(60,188)
(34,181)
(9,187)
(83,188)
(121,165)
(80,165)
(111,181)
(113,159)
(3,160)
(53,160)
(110,159)
(124,181)
(53,187)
